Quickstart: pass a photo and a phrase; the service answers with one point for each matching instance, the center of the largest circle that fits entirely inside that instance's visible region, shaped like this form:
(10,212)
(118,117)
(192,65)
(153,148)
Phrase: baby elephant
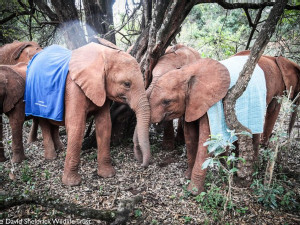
(193,90)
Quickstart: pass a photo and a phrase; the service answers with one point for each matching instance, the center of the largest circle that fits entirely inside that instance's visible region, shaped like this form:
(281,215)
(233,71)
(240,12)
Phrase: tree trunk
(245,143)
(167,17)
(161,23)
(99,18)
(70,24)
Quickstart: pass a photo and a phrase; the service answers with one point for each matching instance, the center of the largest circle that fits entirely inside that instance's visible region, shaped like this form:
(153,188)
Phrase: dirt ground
(162,186)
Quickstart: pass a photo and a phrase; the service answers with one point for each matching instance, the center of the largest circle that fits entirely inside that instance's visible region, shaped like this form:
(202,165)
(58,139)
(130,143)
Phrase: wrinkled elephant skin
(193,89)
(12,89)
(174,58)
(97,75)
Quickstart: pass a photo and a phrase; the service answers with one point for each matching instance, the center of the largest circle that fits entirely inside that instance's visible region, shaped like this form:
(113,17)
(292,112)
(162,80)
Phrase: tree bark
(245,143)
(99,16)
(252,24)
(167,17)
(119,216)
(68,17)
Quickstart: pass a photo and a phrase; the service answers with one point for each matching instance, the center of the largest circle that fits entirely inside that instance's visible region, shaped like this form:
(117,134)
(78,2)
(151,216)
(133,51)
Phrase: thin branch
(227,5)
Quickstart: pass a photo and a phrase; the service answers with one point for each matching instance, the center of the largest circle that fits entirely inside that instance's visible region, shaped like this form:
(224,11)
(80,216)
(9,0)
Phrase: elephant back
(10,53)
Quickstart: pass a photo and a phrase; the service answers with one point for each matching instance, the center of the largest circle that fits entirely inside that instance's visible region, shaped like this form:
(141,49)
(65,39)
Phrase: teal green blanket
(250,107)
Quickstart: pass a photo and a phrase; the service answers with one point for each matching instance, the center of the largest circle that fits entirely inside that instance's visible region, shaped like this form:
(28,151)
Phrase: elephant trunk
(142,111)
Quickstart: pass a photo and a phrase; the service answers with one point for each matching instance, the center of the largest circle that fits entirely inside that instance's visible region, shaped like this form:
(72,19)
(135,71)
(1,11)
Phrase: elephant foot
(50,155)
(106,171)
(59,146)
(195,188)
(188,174)
(71,179)
(18,157)
(168,145)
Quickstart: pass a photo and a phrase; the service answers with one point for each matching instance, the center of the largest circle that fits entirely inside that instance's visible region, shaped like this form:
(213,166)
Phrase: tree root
(119,216)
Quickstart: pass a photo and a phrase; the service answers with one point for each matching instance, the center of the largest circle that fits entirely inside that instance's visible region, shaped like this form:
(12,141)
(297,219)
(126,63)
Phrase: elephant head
(15,52)
(12,85)
(190,91)
(93,67)
(175,57)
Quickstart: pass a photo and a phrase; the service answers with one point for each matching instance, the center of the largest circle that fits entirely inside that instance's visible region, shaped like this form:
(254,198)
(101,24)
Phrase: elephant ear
(20,46)
(87,69)
(290,74)
(208,85)
(14,86)
(20,68)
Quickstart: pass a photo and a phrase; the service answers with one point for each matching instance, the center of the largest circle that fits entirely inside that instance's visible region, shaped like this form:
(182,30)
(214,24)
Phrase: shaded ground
(162,185)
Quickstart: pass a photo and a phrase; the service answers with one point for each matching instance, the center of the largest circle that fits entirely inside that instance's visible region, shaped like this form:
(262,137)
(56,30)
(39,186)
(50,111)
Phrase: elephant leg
(191,134)
(103,133)
(2,156)
(55,137)
(196,185)
(255,141)
(136,147)
(168,138)
(270,119)
(32,137)
(16,120)
(75,127)
(46,127)
(179,139)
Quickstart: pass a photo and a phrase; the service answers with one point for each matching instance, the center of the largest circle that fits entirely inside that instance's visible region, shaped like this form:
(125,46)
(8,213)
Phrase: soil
(162,186)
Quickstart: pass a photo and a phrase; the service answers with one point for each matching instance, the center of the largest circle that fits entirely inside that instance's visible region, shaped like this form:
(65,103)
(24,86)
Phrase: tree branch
(253,24)
(119,216)
(245,142)
(14,15)
(227,5)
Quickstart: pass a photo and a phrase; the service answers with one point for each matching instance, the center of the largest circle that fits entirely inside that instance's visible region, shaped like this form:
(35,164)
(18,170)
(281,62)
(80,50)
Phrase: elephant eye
(127,84)
(166,102)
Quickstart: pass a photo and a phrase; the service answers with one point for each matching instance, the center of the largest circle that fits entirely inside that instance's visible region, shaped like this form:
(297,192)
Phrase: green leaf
(233,170)
(246,133)
(208,162)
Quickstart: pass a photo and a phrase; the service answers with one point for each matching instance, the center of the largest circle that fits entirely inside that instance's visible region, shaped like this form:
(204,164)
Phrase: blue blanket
(250,107)
(45,83)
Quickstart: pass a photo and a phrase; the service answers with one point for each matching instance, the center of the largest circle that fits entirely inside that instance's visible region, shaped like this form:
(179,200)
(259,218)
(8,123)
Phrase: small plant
(47,174)
(274,196)
(212,201)
(288,201)
(92,156)
(154,222)
(26,174)
(100,190)
(137,213)
(279,134)
(186,193)
(217,146)
(187,219)
(267,194)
